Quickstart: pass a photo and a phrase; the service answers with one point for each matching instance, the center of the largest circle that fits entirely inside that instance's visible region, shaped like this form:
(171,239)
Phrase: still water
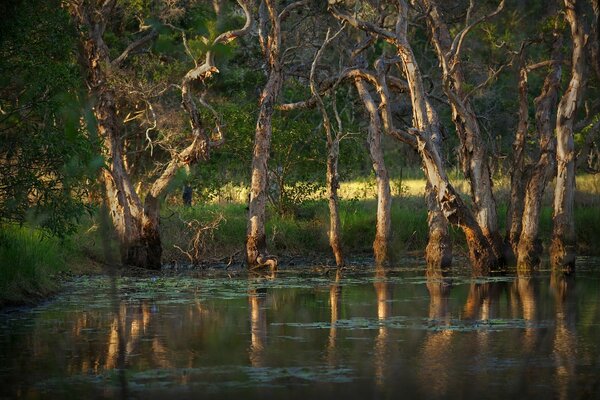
(366,333)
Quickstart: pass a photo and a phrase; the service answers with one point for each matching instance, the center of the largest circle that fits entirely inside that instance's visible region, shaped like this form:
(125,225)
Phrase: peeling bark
(384,195)
(256,245)
(518,177)
(562,249)
(473,154)
(425,121)
(125,206)
(530,247)
(438,253)
(333,152)
(137,226)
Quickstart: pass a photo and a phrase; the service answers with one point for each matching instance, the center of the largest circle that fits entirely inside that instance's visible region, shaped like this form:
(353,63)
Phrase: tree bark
(333,151)
(438,253)
(256,245)
(425,120)
(562,249)
(473,154)
(481,253)
(384,195)
(529,247)
(138,226)
(125,206)
(518,178)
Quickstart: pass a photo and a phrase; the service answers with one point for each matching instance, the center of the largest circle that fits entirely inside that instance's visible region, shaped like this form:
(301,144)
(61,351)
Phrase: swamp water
(367,333)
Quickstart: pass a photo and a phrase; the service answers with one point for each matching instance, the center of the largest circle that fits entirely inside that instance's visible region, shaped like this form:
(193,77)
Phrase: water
(396,333)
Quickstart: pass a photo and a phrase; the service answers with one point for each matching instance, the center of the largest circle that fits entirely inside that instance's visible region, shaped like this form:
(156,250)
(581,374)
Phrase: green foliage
(45,152)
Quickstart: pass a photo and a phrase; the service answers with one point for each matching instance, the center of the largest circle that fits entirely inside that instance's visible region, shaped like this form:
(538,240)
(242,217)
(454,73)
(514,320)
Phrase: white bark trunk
(562,251)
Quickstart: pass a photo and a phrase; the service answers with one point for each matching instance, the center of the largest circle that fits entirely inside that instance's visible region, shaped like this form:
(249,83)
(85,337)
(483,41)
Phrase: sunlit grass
(588,189)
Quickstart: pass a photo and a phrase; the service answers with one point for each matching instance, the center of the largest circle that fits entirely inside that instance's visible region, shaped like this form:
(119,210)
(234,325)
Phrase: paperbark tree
(137,224)
(518,175)
(384,195)
(473,153)
(425,121)
(529,247)
(562,249)
(256,241)
(333,152)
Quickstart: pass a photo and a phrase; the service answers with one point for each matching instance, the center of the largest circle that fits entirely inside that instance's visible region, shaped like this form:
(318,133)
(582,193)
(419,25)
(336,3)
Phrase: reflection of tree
(258,326)
(565,335)
(523,300)
(383,292)
(335,302)
(435,357)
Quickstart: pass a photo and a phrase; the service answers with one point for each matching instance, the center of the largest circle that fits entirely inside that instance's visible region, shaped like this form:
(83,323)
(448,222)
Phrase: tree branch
(153,34)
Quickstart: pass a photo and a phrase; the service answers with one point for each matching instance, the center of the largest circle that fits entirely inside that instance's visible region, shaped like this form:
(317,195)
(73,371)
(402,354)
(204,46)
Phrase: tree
(137,223)
(256,246)
(426,129)
(562,250)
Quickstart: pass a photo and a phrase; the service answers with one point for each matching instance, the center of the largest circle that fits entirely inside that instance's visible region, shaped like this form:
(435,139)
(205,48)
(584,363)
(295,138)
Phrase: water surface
(366,333)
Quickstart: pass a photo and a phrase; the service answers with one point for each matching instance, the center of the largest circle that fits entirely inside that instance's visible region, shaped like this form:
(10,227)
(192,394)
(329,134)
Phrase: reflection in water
(335,303)
(522,337)
(258,320)
(435,356)
(523,295)
(258,326)
(384,308)
(565,338)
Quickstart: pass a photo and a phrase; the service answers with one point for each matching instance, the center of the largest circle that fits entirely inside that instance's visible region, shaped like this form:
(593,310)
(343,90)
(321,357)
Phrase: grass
(304,232)
(28,263)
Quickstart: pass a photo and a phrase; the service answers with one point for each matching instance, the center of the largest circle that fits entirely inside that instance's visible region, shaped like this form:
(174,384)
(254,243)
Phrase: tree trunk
(333,152)
(123,202)
(562,250)
(529,247)
(481,253)
(256,246)
(438,253)
(473,154)
(333,184)
(518,178)
(384,196)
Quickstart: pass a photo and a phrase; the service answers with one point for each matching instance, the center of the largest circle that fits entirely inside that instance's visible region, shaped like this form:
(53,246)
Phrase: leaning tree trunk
(384,196)
(518,178)
(438,252)
(473,154)
(562,250)
(481,253)
(529,247)
(256,241)
(125,207)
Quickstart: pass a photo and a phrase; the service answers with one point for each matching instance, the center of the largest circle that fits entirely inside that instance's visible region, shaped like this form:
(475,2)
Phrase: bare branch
(541,64)
(134,46)
(454,53)
(290,7)
(363,25)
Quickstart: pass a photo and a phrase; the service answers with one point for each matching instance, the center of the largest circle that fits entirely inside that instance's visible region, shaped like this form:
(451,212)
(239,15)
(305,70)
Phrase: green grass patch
(29,262)
(304,232)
